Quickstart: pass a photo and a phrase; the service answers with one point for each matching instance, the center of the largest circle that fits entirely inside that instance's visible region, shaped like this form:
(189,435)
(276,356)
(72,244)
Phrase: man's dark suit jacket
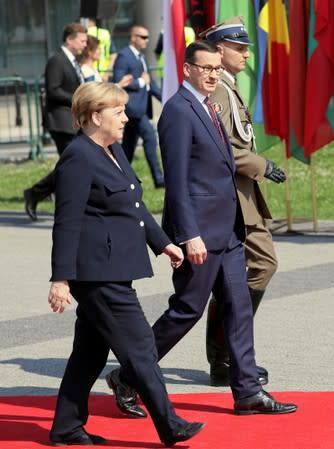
(140,99)
(201,198)
(60,83)
(101,225)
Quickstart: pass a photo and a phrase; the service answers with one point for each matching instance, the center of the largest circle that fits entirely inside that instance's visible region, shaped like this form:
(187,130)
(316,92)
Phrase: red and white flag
(173,46)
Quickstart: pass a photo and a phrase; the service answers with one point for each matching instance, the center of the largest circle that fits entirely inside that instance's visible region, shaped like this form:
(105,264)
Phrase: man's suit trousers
(224,274)
(141,127)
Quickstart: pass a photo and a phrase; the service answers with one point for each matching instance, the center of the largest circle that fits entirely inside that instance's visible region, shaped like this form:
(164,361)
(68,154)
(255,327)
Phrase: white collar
(200,97)
(68,53)
(135,51)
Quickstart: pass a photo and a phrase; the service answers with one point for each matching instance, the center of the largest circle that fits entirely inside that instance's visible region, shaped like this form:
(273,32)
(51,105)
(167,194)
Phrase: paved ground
(294,326)
(293,329)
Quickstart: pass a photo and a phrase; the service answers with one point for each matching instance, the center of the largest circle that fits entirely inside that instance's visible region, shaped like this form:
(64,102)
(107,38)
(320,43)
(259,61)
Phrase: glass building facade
(31,30)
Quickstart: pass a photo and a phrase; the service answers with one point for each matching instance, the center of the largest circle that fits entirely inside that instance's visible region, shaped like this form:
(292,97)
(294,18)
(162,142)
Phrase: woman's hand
(59,296)
(175,254)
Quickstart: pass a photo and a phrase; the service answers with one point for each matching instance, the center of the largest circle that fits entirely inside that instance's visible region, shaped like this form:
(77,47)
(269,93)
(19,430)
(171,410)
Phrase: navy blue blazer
(60,83)
(140,101)
(101,224)
(200,197)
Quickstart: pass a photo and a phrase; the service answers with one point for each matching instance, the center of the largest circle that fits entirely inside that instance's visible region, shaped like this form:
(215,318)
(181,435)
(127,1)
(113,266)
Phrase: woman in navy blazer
(100,238)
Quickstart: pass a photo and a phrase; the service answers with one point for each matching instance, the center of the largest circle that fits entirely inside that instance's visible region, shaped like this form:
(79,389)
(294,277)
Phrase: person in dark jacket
(62,77)
(100,237)
(131,60)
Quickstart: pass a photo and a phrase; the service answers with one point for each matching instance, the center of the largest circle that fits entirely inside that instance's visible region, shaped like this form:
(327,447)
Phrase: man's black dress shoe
(30,204)
(86,439)
(262,402)
(220,375)
(125,396)
(184,434)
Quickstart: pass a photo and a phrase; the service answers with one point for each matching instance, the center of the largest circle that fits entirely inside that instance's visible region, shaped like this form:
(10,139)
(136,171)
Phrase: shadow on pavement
(20,219)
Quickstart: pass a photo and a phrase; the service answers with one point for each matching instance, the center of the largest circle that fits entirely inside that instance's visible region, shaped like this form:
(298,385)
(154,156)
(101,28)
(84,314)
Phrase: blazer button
(141,224)
(132,186)
(234,199)
(137,204)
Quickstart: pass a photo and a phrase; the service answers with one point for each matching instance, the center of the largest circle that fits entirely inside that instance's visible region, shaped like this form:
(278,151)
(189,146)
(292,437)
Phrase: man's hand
(196,251)
(146,77)
(274,173)
(59,296)
(125,81)
(175,254)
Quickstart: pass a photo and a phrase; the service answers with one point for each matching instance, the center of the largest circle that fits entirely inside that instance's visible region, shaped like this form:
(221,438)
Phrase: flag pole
(287,190)
(314,194)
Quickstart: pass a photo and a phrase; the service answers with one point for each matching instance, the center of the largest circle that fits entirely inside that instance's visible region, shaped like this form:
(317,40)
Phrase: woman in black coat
(100,238)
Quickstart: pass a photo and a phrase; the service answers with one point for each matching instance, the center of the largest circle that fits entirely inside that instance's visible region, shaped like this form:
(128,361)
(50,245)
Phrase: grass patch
(15,177)
(153,198)
(300,185)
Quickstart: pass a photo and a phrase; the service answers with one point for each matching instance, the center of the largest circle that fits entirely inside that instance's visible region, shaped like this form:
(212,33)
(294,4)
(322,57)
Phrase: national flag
(261,13)
(299,14)
(275,84)
(319,93)
(173,45)
(202,14)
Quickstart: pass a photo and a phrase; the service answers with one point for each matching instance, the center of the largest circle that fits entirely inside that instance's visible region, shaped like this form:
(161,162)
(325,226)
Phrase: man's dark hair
(72,29)
(189,55)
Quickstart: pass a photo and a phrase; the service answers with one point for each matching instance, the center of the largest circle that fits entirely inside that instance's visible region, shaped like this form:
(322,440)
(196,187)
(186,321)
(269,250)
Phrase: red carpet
(25,423)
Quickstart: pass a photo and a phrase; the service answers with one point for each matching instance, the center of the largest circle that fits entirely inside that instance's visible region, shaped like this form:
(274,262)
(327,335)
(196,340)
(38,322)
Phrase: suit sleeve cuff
(190,240)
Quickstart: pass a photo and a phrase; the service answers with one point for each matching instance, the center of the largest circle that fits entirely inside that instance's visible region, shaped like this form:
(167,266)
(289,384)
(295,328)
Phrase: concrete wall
(149,14)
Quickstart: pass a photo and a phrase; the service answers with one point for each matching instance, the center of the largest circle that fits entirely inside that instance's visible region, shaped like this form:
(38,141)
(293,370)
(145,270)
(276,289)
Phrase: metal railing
(42,134)
(22,106)
(20,114)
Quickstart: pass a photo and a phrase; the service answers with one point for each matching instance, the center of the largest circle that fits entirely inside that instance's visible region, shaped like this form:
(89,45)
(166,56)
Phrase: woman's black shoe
(184,434)
(85,439)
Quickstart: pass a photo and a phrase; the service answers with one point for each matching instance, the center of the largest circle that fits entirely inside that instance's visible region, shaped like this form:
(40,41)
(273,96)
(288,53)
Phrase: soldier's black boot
(216,348)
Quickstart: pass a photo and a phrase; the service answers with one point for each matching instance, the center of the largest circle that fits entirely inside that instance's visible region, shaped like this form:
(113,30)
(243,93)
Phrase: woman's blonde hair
(93,97)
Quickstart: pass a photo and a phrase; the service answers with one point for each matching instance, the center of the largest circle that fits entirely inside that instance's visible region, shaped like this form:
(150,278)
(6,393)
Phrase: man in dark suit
(131,60)
(62,77)
(202,214)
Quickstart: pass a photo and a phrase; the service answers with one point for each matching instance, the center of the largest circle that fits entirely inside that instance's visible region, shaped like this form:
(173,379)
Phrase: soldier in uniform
(233,43)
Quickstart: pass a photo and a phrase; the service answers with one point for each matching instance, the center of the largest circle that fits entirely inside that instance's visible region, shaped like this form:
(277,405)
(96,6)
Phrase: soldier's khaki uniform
(259,249)
(250,168)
